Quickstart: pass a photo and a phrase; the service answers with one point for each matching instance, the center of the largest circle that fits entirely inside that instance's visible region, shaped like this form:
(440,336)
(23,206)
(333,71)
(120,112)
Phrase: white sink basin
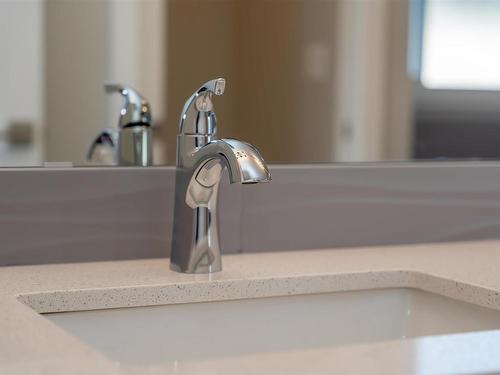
(161,334)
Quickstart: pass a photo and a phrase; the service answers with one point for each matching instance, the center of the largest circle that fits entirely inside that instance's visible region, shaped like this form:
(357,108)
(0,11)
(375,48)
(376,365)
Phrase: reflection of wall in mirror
(125,43)
(308,81)
(297,73)
(21,69)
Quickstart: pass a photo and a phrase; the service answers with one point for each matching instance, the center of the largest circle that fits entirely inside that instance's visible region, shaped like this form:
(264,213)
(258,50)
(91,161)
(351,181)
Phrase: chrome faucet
(132,141)
(201,159)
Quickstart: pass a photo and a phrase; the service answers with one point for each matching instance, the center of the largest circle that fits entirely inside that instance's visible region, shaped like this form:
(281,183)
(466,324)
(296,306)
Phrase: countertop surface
(467,271)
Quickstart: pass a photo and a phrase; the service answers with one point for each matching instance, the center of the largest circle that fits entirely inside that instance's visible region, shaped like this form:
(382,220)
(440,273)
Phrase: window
(461,44)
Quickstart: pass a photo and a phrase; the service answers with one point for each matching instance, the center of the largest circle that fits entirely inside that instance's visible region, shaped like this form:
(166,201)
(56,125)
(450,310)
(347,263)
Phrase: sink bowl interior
(160,334)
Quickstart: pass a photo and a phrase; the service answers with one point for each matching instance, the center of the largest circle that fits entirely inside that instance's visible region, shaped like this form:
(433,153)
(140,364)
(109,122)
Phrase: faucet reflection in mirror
(131,143)
(201,159)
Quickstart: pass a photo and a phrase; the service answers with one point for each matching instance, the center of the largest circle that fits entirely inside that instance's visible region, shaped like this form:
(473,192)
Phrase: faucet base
(212,268)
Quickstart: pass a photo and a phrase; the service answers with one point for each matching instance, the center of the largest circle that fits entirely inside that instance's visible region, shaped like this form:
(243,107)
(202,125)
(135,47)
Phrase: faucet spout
(243,161)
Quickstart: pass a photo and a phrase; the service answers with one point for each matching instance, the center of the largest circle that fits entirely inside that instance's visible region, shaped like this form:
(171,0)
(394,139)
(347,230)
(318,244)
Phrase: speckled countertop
(31,344)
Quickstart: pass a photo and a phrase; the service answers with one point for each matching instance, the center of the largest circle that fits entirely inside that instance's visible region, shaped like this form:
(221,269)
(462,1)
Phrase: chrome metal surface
(135,146)
(132,142)
(201,159)
(136,109)
(102,150)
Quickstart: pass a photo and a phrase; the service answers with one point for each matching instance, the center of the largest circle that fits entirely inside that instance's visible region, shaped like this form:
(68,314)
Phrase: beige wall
(274,98)
(21,75)
(399,90)
(88,43)
(373,91)
(76,65)
(308,81)
(201,40)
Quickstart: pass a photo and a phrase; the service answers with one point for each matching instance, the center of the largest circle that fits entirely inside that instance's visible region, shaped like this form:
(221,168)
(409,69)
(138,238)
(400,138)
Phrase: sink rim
(86,299)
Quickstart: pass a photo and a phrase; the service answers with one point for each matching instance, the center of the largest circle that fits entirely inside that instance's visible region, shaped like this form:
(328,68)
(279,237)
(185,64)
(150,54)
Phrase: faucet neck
(187,147)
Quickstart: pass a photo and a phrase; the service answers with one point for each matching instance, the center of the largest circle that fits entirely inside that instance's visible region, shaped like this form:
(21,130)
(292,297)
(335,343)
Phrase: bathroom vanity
(165,248)
(414,309)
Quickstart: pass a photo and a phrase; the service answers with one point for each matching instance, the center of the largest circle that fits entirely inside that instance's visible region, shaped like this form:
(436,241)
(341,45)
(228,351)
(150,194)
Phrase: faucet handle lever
(198,117)
(136,109)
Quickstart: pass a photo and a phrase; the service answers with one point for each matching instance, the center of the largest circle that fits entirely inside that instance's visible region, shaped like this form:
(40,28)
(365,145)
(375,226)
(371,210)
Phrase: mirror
(308,81)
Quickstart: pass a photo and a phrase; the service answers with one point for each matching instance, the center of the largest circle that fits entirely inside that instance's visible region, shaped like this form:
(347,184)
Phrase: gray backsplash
(324,207)
(87,214)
